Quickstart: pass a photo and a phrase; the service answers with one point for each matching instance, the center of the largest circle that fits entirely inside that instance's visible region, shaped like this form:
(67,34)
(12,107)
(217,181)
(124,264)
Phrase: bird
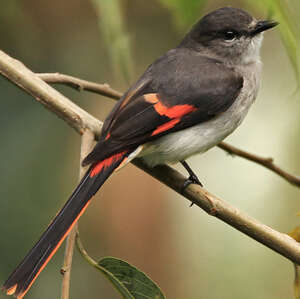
(186,102)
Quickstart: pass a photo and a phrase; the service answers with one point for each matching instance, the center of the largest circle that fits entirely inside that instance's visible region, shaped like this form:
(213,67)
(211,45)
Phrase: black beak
(262,26)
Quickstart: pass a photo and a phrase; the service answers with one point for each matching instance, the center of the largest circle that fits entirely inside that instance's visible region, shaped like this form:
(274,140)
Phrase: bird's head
(228,33)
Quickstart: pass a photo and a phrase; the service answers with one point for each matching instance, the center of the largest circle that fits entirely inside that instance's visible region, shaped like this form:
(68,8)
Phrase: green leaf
(128,280)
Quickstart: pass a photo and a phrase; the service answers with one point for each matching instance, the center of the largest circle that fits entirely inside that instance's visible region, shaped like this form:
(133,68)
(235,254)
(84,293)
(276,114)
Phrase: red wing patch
(176,111)
(106,163)
(170,124)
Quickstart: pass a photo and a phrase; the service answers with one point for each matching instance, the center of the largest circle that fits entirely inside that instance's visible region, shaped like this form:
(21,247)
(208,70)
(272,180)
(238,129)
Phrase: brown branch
(20,75)
(279,242)
(214,206)
(105,90)
(87,142)
(266,162)
(80,84)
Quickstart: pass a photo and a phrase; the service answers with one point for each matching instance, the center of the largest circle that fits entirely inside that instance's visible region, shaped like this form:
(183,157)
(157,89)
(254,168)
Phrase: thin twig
(111,277)
(87,142)
(105,90)
(79,84)
(279,242)
(266,162)
(83,252)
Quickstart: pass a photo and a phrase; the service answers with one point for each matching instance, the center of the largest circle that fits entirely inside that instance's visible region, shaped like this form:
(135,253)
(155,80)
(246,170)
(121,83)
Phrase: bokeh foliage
(282,11)
(186,12)
(115,35)
(40,154)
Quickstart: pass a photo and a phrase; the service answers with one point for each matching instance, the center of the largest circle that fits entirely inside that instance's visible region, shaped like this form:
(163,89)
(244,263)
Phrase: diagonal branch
(279,242)
(105,90)
(20,75)
(214,206)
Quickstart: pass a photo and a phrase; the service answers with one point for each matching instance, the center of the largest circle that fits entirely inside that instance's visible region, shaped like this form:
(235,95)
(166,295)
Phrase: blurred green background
(188,253)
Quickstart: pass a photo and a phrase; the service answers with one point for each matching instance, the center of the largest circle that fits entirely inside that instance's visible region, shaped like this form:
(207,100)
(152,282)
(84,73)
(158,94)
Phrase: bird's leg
(193,179)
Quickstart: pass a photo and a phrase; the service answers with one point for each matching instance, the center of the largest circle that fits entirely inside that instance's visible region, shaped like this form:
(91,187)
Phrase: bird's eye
(230,35)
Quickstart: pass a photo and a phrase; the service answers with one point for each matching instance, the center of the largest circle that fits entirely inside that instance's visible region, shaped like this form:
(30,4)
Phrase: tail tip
(10,290)
(13,291)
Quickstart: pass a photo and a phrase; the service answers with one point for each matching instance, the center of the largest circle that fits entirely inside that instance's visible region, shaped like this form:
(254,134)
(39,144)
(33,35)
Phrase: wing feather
(157,104)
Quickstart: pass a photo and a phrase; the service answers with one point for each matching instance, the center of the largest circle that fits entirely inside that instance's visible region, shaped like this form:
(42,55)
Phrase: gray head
(228,33)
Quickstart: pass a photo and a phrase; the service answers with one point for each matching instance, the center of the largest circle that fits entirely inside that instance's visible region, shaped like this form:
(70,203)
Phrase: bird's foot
(192,179)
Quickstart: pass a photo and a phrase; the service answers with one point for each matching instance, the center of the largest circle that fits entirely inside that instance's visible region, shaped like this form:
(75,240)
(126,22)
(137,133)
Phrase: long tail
(35,261)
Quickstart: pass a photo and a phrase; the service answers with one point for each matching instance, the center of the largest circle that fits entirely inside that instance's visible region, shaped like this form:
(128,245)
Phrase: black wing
(179,90)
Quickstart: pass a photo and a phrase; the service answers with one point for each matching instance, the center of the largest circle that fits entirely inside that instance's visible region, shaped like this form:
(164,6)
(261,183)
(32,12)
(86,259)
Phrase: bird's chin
(252,54)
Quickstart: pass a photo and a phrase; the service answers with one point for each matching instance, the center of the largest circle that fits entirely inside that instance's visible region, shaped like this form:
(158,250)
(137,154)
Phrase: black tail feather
(34,262)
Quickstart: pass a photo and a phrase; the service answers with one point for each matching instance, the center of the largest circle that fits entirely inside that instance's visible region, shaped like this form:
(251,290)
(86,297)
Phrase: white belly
(180,145)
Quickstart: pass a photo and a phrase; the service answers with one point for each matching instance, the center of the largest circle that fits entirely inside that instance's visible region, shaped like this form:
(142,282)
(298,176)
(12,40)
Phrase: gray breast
(180,145)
